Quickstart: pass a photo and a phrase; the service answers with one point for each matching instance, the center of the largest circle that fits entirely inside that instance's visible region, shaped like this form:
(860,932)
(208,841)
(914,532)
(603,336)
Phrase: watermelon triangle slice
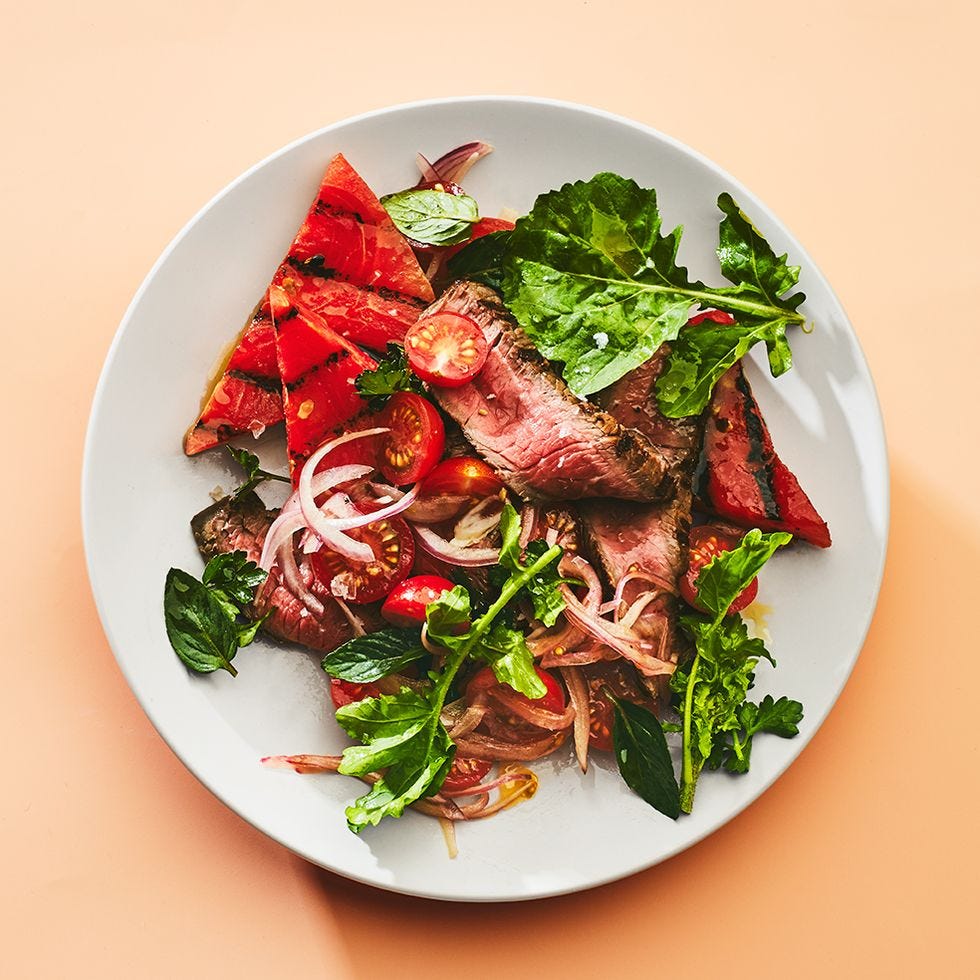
(320,401)
(348,264)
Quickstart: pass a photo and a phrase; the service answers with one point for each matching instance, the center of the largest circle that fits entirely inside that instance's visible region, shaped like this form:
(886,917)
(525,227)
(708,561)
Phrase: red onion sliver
(455,165)
(578,696)
(454,555)
(428,172)
(529,517)
(282,529)
(360,520)
(526,709)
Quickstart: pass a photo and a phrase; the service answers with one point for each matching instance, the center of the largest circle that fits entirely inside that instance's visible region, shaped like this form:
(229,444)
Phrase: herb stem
(687,764)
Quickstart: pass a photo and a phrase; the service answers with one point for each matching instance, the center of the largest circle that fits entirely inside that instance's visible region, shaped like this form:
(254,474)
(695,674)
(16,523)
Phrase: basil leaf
(392,374)
(506,651)
(482,260)
(375,655)
(724,577)
(432,217)
(643,757)
(199,628)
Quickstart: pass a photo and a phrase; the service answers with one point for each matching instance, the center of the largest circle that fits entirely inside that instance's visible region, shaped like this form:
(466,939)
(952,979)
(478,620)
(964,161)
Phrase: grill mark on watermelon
(273,385)
(329,362)
(313,266)
(335,210)
(759,459)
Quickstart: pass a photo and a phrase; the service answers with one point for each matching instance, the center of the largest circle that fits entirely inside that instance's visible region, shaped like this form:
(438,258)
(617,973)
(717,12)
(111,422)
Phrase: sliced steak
(241,525)
(522,418)
(741,478)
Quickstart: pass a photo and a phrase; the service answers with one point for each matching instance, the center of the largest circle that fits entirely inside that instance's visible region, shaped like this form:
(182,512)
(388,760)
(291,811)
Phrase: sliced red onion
(576,566)
(434,510)
(456,164)
(428,172)
(454,555)
(357,624)
(591,654)
(293,578)
(361,520)
(633,613)
(529,517)
(322,526)
(479,746)
(495,783)
(578,697)
(303,763)
(640,576)
(527,710)
(605,632)
(478,521)
(282,529)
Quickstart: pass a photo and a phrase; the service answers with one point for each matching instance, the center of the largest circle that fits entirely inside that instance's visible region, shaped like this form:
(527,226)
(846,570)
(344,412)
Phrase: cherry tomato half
(463,476)
(405,605)
(446,349)
(602,678)
(394,549)
(553,699)
(347,692)
(705,542)
(712,316)
(416,440)
(600,716)
(464,773)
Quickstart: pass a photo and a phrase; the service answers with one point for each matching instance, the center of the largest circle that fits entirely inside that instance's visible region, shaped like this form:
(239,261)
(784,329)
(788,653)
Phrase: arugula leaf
(723,578)
(432,217)
(780,718)
(254,474)
(199,628)
(448,618)
(481,260)
(596,285)
(506,651)
(202,616)
(542,588)
(643,757)
(375,655)
(392,374)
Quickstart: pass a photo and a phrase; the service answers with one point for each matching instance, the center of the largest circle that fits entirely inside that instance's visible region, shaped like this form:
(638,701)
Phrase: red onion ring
(455,165)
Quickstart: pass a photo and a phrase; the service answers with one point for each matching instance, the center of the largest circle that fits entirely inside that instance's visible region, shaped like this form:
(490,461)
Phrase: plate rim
(88,490)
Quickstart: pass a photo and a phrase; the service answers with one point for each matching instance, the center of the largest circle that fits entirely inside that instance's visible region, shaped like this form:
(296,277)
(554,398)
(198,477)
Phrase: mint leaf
(234,576)
(643,757)
(254,474)
(724,577)
(199,628)
(432,217)
(375,655)
(392,374)
(481,260)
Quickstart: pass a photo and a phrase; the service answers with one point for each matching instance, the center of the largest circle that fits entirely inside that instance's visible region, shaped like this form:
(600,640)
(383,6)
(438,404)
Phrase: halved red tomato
(446,350)
(405,605)
(347,692)
(463,476)
(464,772)
(394,548)
(705,543)
(416,440)
(605,677)
(553,700)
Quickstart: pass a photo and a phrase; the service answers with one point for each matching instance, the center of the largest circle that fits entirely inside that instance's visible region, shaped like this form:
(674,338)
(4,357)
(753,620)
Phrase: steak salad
(531,490)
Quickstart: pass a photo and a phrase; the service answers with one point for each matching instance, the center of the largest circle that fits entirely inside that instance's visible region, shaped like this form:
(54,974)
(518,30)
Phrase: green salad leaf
(203,617)
(431,216)
(375,655)
(594,281)
(717,720)
(392,374)
(254,474)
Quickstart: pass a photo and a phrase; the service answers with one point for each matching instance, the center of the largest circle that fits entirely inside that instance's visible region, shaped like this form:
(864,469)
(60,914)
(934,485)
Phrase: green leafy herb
(717,720)
(643,757)
(432,217)
(724,578)
(202,616)
(392,374)
(543,588)
(597,287)
(374,655)
(481,260)
(254,474)
(401,733)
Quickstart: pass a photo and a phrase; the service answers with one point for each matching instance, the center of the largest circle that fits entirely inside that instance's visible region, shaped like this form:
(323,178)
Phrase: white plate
(139,492)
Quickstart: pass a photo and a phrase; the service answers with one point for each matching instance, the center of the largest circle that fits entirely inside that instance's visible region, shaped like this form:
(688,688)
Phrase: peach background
(854,120)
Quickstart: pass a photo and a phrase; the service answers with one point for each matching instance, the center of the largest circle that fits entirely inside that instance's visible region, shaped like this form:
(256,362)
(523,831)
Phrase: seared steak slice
(241,525)
(545,443)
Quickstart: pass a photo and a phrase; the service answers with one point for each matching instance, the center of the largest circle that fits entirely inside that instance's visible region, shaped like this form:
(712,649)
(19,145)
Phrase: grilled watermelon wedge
(320,401)
(348,263)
